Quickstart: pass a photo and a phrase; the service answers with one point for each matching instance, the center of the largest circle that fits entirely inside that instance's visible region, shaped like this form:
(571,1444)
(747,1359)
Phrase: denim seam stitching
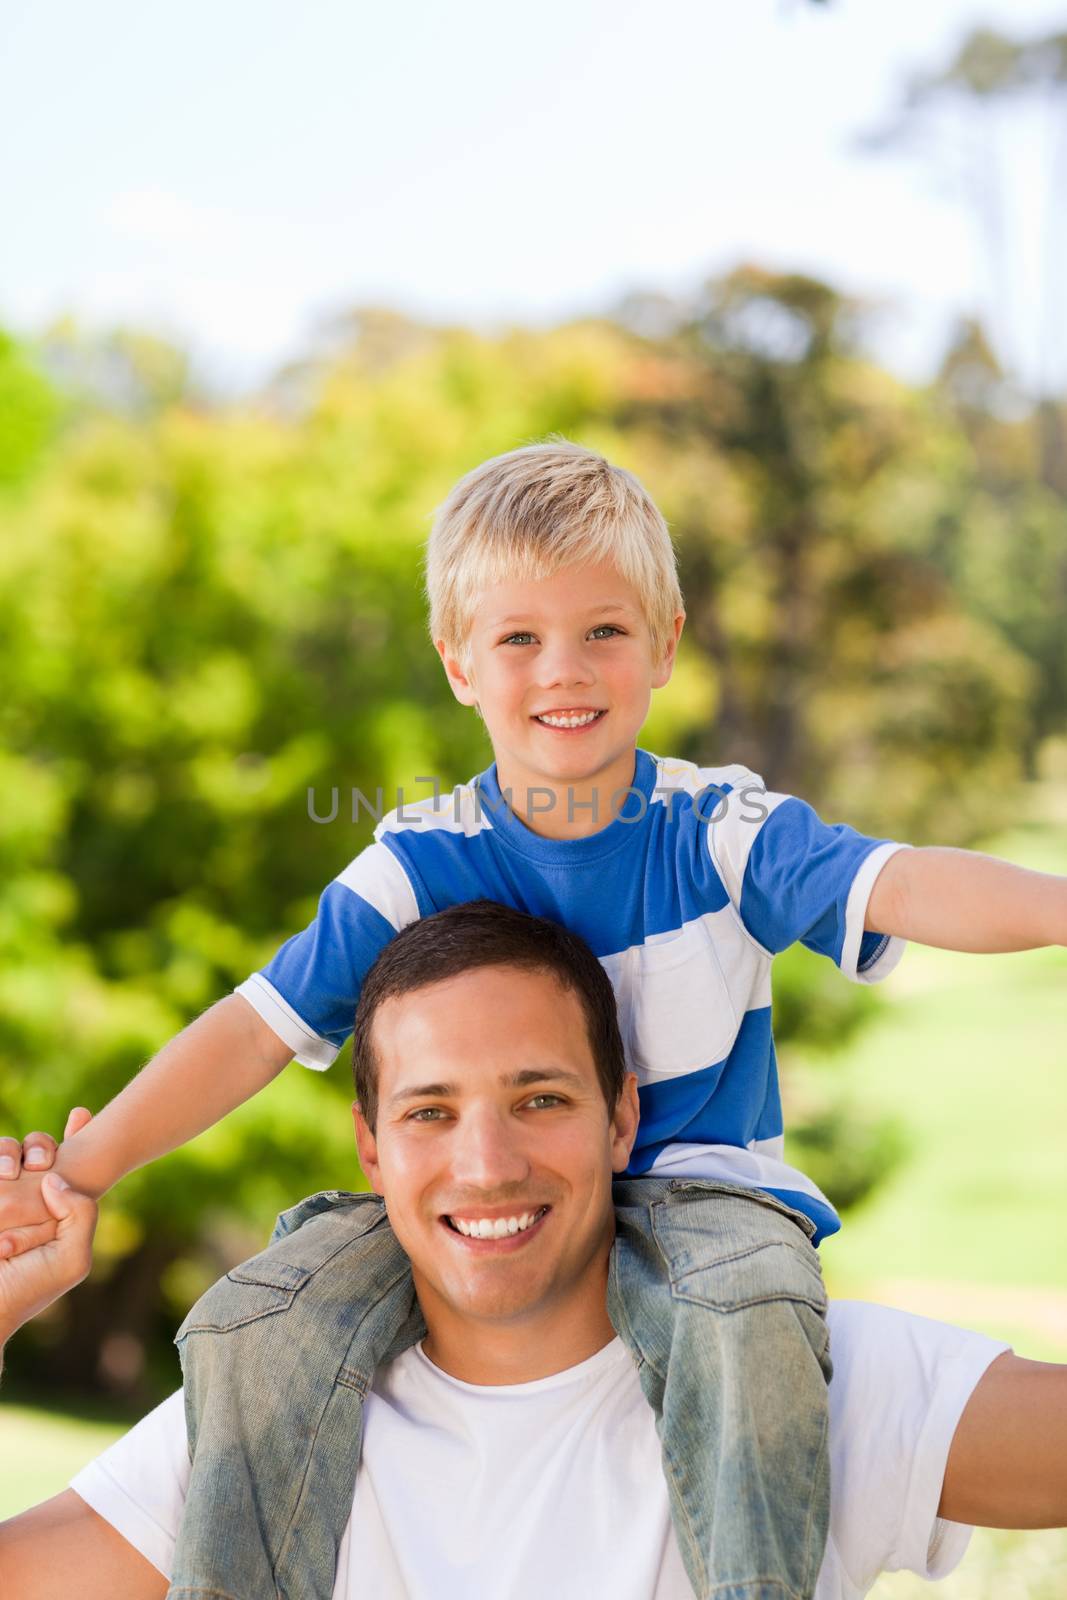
(727,1308)
(757,1588)
(289,1290)
(743,1254)
(689,1530)
(239,1322)
(287,1538)
(204,1594)
(815,1561)
(632,1341)
(731,1191)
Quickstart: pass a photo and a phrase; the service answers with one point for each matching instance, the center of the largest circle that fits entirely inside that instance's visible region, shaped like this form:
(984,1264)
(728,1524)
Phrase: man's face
(494,1148)
(574,648)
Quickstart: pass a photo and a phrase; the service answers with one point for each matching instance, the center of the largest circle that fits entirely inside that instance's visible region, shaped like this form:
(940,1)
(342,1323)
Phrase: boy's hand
(40,1276)
(25,1219)
(38,1150)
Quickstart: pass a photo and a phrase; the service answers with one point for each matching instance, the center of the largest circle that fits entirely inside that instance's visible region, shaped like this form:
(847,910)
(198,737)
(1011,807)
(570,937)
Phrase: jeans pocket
(730,1249)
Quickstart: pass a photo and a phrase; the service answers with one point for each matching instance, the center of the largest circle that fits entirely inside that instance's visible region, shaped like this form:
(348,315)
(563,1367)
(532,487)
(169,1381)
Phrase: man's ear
(367,1145)
(457,672)
(624,1122)
(665,666)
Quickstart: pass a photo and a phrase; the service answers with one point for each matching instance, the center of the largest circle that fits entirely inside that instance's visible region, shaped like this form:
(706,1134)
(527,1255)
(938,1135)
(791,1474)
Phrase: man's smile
(507,1229)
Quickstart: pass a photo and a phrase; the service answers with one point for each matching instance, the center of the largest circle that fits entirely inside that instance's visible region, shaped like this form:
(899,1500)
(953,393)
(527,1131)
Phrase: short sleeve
(308,992)
(901,1384)
(794,878)
(139,1483)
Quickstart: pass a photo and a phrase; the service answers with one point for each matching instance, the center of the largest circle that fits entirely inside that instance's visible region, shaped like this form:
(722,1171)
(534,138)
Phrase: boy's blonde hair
(526,514)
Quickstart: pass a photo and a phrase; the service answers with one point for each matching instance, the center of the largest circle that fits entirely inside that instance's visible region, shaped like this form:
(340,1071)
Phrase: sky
(234,173)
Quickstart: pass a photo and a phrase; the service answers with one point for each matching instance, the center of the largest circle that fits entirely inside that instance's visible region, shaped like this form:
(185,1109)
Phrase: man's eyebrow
(508,1080)
(530,1075)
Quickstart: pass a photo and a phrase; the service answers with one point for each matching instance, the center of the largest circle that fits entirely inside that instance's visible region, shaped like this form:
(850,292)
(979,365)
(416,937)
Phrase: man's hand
(25,1220)
(31,1281)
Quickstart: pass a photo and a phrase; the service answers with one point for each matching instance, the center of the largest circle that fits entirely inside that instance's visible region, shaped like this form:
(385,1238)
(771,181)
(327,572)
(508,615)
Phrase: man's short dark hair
(482,933)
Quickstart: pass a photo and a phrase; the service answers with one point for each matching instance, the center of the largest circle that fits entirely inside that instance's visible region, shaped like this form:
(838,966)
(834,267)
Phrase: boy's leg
(328,1301)
(718,1294)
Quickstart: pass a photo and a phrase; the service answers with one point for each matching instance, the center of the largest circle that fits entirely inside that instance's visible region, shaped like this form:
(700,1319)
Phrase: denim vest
(277,1359)
(713,1289)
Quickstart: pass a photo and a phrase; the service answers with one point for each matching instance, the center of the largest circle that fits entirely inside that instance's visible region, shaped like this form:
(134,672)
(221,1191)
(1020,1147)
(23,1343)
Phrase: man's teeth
(579,721)
(496,1227)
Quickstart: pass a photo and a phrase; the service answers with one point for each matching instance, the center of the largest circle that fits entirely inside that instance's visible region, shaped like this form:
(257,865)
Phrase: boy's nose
(565,666)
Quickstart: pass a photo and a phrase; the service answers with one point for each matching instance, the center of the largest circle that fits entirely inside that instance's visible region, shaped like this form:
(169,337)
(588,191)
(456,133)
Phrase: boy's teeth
(496,1227)
(569,722)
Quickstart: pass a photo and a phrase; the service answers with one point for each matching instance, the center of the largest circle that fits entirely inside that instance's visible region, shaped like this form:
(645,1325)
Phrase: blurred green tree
(210,613)
(807,490)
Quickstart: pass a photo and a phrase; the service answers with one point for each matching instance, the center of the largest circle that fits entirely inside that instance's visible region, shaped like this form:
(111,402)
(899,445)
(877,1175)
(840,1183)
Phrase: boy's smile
(562,670)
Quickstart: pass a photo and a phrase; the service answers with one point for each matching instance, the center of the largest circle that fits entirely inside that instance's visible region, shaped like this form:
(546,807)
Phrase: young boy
(556,610)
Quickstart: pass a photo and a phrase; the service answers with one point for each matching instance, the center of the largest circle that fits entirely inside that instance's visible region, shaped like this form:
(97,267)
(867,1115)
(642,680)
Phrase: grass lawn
(972,1057)
(42,1450)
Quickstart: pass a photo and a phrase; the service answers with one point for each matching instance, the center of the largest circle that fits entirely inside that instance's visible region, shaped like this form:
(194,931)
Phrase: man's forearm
(215,1064)
(961,900)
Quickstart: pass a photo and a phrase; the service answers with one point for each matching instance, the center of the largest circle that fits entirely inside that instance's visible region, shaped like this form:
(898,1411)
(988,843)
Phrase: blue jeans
(718,1295)
(715,1290)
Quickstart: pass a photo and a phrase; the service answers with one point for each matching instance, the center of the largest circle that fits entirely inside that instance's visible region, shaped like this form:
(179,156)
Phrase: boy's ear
(665,666)
(460,681)
(367,1145)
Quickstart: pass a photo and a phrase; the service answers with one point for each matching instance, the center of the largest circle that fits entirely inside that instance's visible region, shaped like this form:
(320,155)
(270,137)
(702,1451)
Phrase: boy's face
(562,670)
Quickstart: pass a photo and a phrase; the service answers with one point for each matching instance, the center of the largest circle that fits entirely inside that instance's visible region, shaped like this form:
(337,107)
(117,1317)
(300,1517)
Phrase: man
(512,1452)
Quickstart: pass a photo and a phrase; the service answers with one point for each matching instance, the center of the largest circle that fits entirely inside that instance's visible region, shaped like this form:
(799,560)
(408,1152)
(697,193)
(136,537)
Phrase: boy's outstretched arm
(961,900)
(216,1063)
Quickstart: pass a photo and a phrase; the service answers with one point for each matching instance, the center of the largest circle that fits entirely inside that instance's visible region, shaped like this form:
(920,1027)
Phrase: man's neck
(492,1353)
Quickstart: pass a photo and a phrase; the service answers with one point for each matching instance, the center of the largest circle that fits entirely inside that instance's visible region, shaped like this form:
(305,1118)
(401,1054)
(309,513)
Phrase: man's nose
(487,1150)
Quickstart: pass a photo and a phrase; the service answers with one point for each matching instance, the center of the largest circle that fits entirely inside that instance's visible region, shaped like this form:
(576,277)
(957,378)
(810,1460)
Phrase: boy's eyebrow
(507,1080)
(598,606)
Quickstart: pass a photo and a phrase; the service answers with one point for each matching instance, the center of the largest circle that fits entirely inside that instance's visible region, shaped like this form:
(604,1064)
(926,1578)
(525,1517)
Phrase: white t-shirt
(470,1493)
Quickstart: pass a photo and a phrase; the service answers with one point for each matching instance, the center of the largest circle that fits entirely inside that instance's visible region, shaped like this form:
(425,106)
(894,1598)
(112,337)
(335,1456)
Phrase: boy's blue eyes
(606,629)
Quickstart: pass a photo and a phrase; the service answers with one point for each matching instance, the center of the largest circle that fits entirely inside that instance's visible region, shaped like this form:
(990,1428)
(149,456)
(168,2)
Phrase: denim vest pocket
(762,1197)
(269,1282)
(728,1248)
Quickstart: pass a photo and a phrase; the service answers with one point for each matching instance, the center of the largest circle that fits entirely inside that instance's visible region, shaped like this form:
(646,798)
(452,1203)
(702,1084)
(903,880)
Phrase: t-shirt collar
(510,830)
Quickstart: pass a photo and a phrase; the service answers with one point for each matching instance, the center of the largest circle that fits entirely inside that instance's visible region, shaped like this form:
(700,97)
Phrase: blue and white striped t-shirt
(685,898)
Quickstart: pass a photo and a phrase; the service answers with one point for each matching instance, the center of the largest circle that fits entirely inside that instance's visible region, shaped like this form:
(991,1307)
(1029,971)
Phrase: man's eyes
(537,1102)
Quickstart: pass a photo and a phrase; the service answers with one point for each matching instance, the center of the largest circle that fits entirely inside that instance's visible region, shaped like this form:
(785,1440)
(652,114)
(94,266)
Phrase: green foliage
(846,1147)
(811,496)
(210,614)
(28,413)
